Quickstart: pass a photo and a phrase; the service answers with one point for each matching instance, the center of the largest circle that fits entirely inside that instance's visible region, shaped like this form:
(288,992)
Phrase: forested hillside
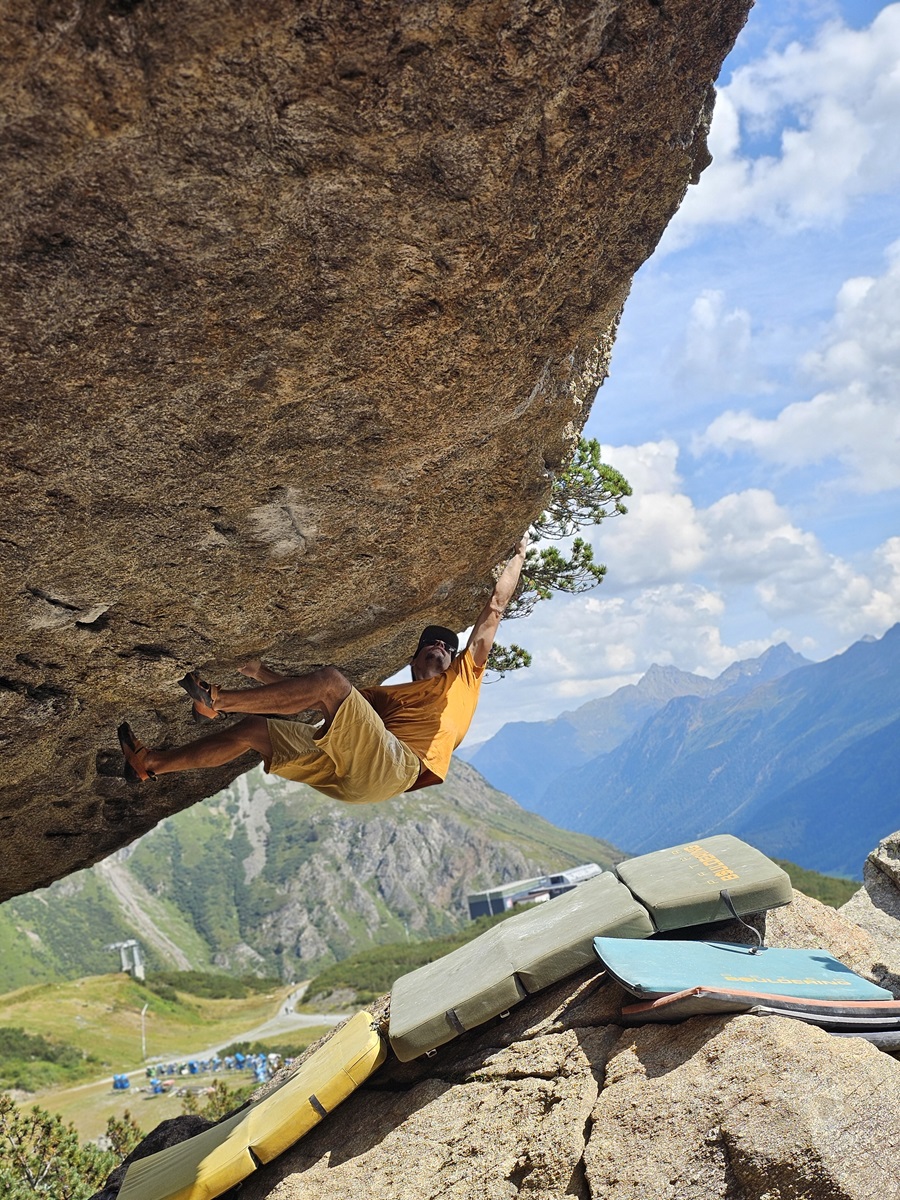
(270,877)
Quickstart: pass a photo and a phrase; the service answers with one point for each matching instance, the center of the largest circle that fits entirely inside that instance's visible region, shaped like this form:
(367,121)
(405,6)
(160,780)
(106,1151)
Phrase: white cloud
(680,575)
(718,348)
(855,419)
(751,538)
(660,539)
(832,105)
(744,540)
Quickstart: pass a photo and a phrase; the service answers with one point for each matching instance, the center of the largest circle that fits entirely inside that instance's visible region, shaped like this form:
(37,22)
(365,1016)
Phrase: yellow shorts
(358,760)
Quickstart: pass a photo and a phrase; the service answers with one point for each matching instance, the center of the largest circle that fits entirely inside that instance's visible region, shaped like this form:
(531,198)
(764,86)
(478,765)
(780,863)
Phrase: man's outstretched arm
(482,637)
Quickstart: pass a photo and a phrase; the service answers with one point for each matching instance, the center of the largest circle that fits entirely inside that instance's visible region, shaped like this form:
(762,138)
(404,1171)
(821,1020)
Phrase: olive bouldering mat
(524,953)
(682,885)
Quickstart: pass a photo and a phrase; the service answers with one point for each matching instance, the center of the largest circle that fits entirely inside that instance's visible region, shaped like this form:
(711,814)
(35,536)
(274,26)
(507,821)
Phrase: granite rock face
(303,305)
(560,1100)
(875,908)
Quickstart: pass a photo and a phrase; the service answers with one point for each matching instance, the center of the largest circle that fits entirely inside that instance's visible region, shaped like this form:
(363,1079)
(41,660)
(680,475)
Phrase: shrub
(208,985)
(30,1061)
(41,1156)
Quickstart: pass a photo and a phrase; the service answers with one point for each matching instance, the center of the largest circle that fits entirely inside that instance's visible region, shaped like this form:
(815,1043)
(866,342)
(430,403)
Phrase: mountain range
(269,877)
(524,758)
(799,758)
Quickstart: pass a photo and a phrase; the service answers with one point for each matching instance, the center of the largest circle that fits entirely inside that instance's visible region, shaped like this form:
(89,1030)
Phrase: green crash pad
(487,976)
(465,988)
(554,939)
(207,1165)
(681,886)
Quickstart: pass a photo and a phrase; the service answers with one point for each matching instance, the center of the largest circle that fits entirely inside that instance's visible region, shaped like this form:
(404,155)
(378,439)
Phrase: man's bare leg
(215,750)
(323,690)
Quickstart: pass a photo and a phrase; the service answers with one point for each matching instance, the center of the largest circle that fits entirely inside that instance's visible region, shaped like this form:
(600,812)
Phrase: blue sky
(754,395)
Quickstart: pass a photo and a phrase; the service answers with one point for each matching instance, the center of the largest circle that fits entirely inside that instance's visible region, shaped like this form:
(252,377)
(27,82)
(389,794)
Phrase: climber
(372,743)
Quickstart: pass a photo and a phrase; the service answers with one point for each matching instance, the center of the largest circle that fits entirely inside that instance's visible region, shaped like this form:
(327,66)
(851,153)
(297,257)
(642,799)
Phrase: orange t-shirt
(431,716)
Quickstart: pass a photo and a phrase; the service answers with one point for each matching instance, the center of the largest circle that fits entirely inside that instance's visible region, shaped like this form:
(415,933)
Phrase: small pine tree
(122,1135)
(42,1156)
(585,492)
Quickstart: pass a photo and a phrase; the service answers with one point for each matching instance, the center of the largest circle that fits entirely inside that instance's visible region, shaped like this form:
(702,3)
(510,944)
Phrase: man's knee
(254,732)
(334,684)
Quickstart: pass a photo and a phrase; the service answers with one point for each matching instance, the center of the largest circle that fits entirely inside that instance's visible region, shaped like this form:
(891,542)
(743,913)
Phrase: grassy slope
(57,932)
(61,932)
(101,1015)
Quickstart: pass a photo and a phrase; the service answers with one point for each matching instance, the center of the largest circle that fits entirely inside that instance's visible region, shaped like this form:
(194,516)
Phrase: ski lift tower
(130,954)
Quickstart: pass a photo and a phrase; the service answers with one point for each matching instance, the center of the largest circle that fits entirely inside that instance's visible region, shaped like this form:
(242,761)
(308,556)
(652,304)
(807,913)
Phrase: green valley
(271,878)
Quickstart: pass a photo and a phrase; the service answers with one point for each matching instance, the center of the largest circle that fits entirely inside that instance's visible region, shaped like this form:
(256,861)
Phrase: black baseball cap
(438,633)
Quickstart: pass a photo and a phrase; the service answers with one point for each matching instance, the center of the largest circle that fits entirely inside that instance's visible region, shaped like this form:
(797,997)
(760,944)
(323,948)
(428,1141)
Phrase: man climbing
(371,744)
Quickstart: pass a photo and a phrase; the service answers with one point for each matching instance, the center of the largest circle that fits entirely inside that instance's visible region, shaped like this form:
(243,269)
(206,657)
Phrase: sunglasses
(438,642)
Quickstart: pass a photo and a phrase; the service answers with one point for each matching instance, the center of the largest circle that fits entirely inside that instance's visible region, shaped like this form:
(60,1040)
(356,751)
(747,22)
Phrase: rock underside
(560,1100)
(304,303)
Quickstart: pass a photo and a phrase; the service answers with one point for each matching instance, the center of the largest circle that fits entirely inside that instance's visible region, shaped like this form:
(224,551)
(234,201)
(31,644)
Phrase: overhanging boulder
(303,306)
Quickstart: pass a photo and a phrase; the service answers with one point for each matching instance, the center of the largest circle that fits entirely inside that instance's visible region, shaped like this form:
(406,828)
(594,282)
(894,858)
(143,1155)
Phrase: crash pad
(555,939)
(435,1003)
(699,1001)
(487,976)
(878,1021)
(888,1042)
(207,1165)
(682,885)
(662,968)
(535,948)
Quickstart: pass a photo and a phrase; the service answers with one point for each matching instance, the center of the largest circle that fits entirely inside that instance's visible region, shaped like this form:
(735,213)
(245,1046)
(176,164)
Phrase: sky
(754,396)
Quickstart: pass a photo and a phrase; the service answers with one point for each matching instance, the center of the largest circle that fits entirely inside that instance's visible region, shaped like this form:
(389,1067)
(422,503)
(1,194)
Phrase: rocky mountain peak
(668,681)
(771,664)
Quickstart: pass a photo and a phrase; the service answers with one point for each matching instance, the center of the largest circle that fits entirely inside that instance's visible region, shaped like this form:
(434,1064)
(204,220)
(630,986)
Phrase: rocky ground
(560,1100)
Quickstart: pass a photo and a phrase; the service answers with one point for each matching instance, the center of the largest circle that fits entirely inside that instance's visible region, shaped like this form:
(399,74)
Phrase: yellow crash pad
(207,1165)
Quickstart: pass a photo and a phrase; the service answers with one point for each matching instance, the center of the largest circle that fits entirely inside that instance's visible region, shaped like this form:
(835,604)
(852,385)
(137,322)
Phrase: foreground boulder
(743,1107)
(560,1099)
(875,908)
(305,303)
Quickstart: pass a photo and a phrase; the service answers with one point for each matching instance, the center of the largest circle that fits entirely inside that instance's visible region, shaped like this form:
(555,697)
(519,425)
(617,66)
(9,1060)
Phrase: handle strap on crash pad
(725,897)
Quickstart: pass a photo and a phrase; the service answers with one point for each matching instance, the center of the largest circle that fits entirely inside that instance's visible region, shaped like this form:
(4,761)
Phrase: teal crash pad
(660,968)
